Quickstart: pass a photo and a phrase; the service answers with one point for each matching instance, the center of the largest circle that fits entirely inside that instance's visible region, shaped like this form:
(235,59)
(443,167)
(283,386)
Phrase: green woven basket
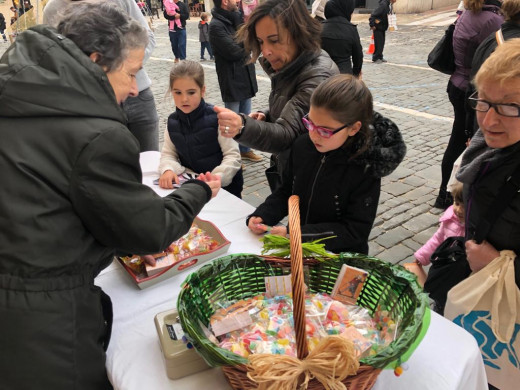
(241,276)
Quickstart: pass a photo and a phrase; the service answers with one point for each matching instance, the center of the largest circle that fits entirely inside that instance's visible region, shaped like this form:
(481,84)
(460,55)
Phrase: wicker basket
(241,276)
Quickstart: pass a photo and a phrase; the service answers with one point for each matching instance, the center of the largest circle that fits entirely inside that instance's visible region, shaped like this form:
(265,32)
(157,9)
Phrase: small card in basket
(349,284)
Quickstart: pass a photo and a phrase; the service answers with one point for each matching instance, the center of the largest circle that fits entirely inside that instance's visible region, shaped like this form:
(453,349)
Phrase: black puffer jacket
(340,38)
(237,80)
(289,101)
(71,195)
(338,196)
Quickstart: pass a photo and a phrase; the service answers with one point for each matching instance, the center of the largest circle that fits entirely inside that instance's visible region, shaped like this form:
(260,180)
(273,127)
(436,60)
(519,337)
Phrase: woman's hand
(256,225)
(229,123)
(258,116)
(480,255)
(167,179)
(213,181)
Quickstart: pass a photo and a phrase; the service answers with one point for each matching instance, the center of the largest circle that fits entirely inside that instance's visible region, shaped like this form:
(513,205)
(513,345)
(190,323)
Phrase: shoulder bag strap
(499,37)
(506,193)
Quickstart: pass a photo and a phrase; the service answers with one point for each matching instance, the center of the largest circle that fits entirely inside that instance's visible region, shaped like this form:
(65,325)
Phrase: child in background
(204,36)
(192,141)
(335,168)
(451,225)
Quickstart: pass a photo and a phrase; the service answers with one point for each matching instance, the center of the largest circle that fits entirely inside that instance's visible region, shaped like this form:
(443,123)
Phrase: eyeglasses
(511,110)
(325,133)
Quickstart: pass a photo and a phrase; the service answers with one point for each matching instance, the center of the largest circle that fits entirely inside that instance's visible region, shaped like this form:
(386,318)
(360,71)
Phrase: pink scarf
(172,9)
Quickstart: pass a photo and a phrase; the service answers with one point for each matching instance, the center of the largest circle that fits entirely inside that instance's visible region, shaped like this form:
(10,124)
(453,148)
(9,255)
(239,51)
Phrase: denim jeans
(205,45)
(244,107)
(178,42)
(143,121)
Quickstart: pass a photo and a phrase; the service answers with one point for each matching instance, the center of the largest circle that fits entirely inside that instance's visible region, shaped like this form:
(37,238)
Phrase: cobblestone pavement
(405,89)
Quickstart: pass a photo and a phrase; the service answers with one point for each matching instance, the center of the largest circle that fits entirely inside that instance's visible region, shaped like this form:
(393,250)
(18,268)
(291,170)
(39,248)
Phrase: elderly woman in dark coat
(340,38)
(72,195)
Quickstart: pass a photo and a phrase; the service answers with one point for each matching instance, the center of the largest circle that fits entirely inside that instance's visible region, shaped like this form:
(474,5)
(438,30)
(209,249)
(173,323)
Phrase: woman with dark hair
(340,38)
(335,168)
(479,19)
(72,196)
(287,37)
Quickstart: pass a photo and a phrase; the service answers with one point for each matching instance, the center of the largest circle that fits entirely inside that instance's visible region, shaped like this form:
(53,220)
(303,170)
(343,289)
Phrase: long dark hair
(348,100)
(292,15)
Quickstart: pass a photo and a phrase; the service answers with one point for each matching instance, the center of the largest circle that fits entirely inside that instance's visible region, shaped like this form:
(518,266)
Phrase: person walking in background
(204,37)
(143,120)
(192,141)
(481,18)
(378,22)
(3,26)
(176,12)
(236,78)
(340,38)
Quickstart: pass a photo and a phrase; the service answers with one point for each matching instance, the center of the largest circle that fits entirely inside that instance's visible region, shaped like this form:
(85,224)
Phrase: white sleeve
(169,157)
(231,160)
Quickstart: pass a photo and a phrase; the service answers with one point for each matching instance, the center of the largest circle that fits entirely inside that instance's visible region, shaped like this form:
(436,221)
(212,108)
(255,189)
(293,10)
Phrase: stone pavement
(405,89)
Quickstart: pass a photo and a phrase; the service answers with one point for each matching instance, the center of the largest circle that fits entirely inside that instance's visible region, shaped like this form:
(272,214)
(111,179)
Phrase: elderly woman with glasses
(335,168)
(71,195)
(493,155)
(288,40)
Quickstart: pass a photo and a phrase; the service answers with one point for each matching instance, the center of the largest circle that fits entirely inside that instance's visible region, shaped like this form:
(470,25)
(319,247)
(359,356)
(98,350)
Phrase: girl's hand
(167,179)
(417,269)
(213,181)
(480,255)
(256,225)
(229,123)
(259,116)
(279,231)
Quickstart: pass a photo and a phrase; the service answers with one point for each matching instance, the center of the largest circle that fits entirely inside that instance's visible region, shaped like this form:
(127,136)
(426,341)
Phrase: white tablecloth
(448,357)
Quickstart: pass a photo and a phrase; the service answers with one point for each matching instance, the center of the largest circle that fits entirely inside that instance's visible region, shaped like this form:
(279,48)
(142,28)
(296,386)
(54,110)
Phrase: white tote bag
(487,305)
(392,22)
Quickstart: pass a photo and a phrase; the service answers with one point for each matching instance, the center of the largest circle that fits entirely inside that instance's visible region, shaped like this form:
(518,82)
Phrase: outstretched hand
(213,181)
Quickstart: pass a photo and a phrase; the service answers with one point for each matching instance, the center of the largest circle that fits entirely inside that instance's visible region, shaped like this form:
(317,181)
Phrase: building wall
(417,6)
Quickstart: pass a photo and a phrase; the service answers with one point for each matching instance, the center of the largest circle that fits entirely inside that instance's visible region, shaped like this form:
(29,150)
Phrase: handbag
(449,267)
(487,305)
(441,58)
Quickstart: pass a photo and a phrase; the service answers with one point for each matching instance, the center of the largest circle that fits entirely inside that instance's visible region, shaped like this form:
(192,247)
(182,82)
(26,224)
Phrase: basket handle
(297,282)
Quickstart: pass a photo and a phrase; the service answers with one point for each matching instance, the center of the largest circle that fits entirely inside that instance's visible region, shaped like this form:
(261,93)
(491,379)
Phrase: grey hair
(98,27)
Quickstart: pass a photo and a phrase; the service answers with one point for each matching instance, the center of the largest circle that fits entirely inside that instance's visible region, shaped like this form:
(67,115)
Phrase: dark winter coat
(2,21)
(195,136)
(71,195)
(183,11)
(338,196)
(340,38)
(237,80)
(470,30)
(381,14)
(203,32)
(480,193)
(289,101)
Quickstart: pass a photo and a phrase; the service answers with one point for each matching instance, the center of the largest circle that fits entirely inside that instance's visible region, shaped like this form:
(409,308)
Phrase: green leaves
(280,247)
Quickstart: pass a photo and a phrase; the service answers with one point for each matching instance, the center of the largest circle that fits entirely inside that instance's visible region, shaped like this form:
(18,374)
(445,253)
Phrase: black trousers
(458,138)
(379,43)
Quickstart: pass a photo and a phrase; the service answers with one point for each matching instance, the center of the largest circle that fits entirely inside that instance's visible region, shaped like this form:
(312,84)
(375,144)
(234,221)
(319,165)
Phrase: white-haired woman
(71,195)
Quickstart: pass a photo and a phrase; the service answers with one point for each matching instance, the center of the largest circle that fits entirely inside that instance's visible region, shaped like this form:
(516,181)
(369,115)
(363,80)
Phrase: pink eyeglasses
(325,133)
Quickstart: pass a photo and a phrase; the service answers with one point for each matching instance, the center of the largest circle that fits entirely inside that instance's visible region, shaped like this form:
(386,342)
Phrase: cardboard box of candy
(203,242)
